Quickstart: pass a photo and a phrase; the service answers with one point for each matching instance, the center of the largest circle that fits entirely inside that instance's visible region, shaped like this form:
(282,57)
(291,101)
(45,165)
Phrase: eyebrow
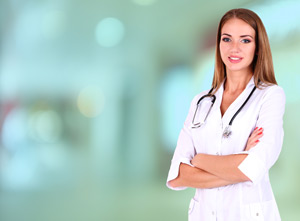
(240,36)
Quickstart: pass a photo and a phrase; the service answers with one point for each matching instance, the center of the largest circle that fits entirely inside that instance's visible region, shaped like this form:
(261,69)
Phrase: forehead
(237,27)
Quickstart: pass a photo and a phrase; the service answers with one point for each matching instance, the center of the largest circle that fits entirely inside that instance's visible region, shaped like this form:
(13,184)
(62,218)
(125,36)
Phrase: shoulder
(272,90)
(272,93)
(198,96)
(193,107)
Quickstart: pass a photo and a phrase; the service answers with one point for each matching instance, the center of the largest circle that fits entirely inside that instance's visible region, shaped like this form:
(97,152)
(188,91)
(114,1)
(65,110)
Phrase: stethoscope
(227,132)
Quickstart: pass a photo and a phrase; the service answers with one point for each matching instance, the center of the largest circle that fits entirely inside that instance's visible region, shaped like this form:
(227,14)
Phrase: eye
(245,41)
(226,39)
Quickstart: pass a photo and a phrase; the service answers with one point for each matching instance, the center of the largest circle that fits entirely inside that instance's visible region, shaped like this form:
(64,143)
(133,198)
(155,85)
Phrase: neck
(236,81)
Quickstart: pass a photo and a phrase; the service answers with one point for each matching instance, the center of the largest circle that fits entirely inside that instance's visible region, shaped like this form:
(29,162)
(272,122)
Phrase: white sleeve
(264,155)
(185,150)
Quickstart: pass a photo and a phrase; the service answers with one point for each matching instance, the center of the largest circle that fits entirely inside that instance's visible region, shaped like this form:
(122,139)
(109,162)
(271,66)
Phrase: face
(237,45)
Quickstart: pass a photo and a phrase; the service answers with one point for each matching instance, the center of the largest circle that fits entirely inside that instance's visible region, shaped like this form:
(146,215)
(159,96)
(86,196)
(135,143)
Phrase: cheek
(222,51)
(252,52)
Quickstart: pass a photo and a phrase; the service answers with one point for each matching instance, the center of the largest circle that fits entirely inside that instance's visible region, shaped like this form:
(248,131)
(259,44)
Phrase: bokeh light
(90,101)
(14,130)
(45,126)
(109,32)
(54,23)
(93,95)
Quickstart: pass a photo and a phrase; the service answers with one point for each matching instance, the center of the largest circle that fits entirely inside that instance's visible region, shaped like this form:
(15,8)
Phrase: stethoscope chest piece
(227,132)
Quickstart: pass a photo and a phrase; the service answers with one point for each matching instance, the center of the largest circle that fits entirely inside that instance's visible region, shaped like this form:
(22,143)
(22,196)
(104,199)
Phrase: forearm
(197,178)
(225,167)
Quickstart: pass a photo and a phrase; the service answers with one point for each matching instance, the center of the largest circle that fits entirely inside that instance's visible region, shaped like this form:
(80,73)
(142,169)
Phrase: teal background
(93,95)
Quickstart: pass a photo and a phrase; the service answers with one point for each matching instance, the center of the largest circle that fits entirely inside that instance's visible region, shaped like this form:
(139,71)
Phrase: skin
(237,49)
(237,41)
(198,178)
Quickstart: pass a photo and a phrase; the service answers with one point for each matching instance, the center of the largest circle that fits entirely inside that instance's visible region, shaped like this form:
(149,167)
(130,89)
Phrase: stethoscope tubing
(241,107)
(213,101)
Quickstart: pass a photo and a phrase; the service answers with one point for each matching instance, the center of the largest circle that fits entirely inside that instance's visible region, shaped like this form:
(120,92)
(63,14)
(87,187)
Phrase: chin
(236,68)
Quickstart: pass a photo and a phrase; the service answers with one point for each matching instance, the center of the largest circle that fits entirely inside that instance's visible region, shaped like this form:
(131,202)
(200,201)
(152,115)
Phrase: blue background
(93,95)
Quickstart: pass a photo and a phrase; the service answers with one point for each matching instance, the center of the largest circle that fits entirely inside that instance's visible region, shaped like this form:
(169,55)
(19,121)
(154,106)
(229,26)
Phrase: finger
(259,134)
(256,132)
(252,144)
(254,139)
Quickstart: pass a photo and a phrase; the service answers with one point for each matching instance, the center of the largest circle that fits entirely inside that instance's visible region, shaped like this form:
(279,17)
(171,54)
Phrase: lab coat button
(257,214)
(213,213)
(217,153)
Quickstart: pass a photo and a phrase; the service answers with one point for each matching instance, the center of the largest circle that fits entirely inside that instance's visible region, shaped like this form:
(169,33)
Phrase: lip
(235,59)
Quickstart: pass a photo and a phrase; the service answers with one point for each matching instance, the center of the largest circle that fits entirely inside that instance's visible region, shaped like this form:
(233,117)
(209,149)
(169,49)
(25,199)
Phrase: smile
(235,59)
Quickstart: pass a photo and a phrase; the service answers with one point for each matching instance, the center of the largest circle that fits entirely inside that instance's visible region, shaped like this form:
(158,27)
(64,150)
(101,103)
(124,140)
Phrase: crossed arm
(212,171)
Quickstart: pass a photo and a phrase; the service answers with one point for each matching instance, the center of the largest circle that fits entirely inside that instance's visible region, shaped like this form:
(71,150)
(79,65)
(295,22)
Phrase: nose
(235,47)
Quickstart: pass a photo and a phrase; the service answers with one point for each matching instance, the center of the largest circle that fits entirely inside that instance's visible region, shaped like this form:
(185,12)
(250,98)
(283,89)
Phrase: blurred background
(93,95)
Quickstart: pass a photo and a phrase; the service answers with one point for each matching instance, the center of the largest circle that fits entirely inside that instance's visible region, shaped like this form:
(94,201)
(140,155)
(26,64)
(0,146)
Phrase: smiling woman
(228,162)
(236,48)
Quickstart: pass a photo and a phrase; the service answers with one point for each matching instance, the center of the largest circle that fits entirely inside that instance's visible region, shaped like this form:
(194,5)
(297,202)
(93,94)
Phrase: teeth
(234,58)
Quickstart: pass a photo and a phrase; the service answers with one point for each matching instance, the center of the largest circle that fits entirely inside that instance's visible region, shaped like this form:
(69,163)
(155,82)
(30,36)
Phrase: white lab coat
(252,200)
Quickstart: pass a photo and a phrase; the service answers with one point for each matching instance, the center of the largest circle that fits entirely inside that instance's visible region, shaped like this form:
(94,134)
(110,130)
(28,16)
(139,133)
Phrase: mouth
(234,59)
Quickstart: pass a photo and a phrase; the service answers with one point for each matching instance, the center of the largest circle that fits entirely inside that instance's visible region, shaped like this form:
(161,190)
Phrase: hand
(254,138)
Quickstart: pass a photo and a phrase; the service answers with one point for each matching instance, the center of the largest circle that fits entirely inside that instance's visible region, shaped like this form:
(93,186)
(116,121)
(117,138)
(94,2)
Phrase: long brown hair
(262,64)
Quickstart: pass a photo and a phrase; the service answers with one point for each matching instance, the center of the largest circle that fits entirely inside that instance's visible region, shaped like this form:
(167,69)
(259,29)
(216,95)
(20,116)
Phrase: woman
(226,152)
